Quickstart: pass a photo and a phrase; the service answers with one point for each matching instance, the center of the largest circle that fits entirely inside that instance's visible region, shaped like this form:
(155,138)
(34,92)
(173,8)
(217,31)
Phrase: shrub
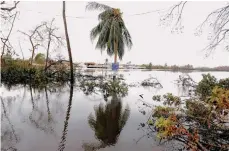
(205,86)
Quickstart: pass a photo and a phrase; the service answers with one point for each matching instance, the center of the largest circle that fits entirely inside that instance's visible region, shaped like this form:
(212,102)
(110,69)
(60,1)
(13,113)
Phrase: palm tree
(108,122)
(68,43)
(111,30)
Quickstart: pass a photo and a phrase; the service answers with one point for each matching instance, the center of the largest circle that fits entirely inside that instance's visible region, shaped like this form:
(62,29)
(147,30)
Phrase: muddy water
(64,119)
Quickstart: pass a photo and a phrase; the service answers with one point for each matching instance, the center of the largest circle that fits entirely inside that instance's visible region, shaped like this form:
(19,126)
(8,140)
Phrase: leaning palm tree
(108,123)
(111,31)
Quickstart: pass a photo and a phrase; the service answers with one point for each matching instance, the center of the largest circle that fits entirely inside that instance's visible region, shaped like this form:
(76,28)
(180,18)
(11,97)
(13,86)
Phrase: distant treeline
(185,67)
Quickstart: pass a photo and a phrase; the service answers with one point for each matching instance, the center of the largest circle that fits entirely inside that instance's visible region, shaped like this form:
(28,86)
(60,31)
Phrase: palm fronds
(111,29)
(97,6)
(109,121)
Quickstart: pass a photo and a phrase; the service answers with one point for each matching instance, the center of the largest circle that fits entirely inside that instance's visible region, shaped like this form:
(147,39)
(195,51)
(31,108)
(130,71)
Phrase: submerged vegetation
(19,72)
(200,121)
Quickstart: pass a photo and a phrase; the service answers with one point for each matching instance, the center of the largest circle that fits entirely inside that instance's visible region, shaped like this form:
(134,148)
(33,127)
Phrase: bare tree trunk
(47,55)
(33,49)
(21,50)
(68,43)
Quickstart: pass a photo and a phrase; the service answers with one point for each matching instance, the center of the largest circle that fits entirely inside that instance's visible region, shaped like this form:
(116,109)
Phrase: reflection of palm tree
(63,138)
(108,123)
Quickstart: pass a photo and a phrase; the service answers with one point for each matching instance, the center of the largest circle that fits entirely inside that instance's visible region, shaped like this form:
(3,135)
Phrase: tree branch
(9,8)
(7,38)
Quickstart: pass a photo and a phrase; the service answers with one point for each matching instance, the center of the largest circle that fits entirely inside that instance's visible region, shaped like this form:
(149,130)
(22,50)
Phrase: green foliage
(150,122)
(163,126)
(108,88)
(205,86)
(224,83)
(40,58)
(220,99)
(109,120)
(110,30)
(168,99)
(157,98)
(19,72)
(197,110)
(161,111)
(149,66)
(116,87)
(202,124)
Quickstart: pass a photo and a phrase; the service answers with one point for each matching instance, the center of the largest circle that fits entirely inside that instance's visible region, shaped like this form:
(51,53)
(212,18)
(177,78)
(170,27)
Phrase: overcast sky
(151,43)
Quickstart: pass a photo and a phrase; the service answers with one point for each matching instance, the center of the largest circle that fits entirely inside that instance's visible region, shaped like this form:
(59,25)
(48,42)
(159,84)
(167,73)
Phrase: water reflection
(40,118)
(41,115)
(9,137)
(107,123)
(64,133)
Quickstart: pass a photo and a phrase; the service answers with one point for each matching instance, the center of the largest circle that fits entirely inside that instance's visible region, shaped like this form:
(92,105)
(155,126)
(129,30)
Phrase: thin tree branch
(9,8)
(7,38)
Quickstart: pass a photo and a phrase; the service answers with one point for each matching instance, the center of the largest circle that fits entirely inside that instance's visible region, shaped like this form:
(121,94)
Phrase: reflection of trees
(47,103)
(9,136)
(107,123)
(64,133)
(37,117)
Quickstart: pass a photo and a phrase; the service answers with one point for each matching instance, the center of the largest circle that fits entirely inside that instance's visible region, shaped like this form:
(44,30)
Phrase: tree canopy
(111,30)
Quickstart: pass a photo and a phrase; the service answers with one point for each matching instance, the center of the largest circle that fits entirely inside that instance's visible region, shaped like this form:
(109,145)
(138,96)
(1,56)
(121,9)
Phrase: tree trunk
(31,63)
(21,50)
(47,54)
(33,49)
(116,54)
(68,43)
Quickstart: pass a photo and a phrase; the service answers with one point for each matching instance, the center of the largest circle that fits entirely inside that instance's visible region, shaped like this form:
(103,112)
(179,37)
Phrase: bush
(224,83)
(206,85)
(18,72)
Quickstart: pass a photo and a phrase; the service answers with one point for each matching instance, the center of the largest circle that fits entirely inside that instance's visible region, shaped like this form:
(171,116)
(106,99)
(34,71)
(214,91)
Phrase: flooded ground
(35,120)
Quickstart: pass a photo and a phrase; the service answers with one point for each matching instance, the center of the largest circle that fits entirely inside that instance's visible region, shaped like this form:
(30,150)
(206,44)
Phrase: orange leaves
(173,117)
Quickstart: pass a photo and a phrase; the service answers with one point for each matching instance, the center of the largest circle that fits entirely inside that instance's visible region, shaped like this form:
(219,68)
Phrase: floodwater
(35,120)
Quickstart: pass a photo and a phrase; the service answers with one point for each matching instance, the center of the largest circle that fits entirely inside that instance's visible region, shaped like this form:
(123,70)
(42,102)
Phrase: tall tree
(36,38)
(68,43)
(111,30)
(52,39)
(8,16)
